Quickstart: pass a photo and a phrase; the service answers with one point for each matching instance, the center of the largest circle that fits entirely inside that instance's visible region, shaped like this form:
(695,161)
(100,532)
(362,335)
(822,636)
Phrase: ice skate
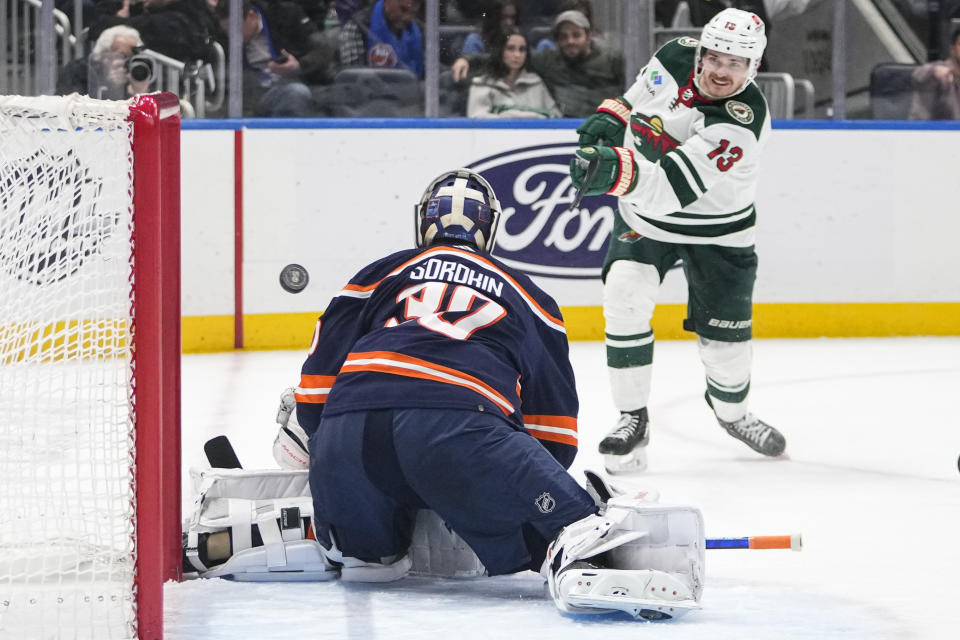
(755,433)
(624,448)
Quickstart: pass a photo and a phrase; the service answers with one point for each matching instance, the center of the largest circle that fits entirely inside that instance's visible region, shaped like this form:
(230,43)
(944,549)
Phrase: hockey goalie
(432,432)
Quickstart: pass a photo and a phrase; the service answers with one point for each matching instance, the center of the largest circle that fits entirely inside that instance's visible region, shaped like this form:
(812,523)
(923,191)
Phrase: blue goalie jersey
(444,327)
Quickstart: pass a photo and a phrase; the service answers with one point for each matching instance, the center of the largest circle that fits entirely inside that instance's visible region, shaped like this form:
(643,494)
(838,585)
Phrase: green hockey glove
(616,171)
(606,126)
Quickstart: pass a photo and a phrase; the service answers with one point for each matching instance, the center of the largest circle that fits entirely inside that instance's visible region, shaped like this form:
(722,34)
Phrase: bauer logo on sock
(545,502)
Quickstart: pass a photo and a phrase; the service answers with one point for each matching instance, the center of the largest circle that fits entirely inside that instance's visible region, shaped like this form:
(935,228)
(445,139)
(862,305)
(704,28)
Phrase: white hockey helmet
(457,206)
(736,32)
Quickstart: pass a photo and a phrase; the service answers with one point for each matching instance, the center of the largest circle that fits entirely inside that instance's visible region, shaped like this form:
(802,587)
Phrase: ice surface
(871,482)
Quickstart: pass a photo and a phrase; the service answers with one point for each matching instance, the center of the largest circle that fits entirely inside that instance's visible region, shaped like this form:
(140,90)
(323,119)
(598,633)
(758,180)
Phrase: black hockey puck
(294,278)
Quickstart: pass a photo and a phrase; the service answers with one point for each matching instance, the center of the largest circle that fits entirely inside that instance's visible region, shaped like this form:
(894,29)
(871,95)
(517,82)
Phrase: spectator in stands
(105,73)
(346,8)
(583,6)
(283,51)
(384,35)
(508,90)
(501,15)
(181,29)
(316,10)
(937,86)
(579,74)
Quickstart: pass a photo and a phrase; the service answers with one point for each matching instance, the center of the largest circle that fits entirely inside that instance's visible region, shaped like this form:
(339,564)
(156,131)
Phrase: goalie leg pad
(648,594)
(274,505)
(303,560)
(436,550)
(635,546)
(357,570)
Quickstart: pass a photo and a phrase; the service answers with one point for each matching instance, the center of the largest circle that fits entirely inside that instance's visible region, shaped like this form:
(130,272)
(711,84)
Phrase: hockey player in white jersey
(681,148)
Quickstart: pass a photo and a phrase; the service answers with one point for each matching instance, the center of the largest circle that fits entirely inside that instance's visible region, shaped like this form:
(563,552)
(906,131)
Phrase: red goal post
(89,365)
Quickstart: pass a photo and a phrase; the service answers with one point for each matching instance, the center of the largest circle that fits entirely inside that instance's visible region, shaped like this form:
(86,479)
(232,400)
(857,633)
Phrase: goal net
(89,365)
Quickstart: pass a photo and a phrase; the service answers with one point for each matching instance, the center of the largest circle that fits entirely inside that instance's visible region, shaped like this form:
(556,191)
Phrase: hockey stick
(592,165)
(220,453)
(792,542)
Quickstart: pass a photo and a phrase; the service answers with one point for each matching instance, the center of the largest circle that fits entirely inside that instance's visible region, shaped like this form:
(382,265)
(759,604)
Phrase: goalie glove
(607,125)
(615,175)
(290,447)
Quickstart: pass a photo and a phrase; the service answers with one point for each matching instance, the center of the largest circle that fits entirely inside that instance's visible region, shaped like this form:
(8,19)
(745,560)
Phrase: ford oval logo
(538,234)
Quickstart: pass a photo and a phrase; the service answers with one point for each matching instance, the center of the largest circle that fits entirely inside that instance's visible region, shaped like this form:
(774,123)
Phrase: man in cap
(579,73)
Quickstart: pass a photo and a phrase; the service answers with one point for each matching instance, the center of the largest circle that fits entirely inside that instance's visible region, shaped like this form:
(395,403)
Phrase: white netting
(66,435)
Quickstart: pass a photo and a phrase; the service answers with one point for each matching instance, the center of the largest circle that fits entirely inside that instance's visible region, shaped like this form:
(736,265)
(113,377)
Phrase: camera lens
(140,68)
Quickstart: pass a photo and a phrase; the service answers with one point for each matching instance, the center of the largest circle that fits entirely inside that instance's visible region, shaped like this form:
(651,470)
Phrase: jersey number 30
(456,315)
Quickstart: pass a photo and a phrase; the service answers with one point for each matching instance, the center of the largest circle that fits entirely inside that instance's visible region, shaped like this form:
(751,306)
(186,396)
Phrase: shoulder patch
(677,59)
(688,42)
(739,111)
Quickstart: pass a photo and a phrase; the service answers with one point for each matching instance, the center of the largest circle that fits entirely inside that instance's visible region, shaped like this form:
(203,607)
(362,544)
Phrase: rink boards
(856,226)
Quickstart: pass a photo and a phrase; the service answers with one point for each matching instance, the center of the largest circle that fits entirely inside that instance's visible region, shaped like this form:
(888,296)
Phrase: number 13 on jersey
(725,158)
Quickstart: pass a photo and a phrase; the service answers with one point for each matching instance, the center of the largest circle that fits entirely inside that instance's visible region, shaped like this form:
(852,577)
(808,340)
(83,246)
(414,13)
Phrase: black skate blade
(220,453)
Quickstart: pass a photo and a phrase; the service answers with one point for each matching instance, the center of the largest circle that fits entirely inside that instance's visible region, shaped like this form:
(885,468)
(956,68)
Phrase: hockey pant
(497,487)
(629,297)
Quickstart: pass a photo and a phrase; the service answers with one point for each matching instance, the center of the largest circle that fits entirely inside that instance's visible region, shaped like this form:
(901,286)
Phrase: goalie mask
(734,32)
(457,206)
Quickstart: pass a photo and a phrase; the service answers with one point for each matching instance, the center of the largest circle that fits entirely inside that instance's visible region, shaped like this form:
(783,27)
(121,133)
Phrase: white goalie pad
(237,504)
(640,557)
(293,561)
(437,551)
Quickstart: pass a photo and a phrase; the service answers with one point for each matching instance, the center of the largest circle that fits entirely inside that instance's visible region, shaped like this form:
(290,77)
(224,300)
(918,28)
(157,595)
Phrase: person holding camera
(112,71)
(181,29)
(284,54)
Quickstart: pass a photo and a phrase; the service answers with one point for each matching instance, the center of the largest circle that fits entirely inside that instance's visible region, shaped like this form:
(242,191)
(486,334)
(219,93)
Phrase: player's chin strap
(254,526)
(639,557)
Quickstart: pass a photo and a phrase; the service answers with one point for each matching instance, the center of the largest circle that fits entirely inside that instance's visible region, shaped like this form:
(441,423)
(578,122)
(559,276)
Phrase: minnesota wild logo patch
(687,42)
(740,111)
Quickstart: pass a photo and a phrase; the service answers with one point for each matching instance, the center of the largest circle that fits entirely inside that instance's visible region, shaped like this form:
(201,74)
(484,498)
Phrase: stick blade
(220,453)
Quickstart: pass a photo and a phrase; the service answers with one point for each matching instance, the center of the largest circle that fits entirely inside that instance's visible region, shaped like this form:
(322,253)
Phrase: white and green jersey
(697,159)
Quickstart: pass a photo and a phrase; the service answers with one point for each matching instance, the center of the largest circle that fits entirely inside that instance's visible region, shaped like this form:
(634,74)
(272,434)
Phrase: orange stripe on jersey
(553,437)
(316,382)
(554,428)
(560,422)
(403,365)
(357,287)
(314,389)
